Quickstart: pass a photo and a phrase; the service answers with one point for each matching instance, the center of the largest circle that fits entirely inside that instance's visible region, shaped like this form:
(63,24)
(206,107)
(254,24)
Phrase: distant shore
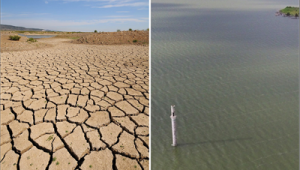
(289,12)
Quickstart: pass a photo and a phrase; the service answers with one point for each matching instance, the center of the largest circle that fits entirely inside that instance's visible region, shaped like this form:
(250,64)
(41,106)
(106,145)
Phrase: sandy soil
(102,38)
(113,38)
(22,44)
(75,106)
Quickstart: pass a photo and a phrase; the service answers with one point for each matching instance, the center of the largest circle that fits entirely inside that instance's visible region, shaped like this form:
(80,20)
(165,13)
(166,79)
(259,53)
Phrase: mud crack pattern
(75,107)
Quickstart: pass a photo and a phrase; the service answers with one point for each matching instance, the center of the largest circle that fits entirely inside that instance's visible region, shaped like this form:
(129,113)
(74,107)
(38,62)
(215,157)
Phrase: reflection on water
(233,76)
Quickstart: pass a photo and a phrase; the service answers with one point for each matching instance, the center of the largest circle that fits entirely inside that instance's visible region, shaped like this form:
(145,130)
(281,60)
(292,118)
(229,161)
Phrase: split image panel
(74,85)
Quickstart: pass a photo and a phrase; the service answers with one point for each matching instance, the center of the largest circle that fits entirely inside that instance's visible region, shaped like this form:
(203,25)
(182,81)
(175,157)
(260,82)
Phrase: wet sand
(75,106)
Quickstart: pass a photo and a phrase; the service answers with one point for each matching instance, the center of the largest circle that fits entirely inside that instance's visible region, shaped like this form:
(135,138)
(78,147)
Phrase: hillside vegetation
(290,10)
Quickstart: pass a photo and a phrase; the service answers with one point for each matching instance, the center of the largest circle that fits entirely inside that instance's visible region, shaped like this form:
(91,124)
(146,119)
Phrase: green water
(234,78)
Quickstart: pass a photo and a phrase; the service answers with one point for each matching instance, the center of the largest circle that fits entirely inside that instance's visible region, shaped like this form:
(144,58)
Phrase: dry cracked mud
(75,106)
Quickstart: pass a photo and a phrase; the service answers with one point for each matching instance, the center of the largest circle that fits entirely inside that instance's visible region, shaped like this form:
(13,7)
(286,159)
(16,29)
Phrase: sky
(77,15)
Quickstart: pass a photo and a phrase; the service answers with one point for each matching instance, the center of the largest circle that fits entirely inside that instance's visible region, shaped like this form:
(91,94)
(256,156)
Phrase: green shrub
(118,30)
(130,29)
(95,31)
(14,37)
(31,40)
(134,41)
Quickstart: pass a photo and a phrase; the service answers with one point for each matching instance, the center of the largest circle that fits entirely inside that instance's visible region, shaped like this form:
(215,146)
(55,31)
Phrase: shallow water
(37,36)
(233,76)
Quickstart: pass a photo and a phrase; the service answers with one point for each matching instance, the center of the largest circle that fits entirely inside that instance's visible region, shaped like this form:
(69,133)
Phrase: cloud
(10,15)
(110,3)
(119,16)
(55,24)
(122,11)
(142,9)
(46,2)
(6,15)
(113,3)
(134,4)
(85,0)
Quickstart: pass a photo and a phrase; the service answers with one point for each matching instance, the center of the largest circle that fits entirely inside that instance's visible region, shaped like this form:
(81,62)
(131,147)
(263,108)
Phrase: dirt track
(75,106)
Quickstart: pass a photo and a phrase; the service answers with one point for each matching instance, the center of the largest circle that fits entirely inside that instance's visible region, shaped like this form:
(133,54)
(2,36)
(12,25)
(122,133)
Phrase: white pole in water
(173,118)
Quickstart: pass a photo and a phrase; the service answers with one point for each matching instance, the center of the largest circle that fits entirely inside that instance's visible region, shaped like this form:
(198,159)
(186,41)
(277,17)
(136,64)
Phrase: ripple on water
(235,88)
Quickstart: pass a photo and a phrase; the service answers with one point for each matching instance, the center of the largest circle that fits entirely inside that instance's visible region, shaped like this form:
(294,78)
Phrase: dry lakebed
(75,106)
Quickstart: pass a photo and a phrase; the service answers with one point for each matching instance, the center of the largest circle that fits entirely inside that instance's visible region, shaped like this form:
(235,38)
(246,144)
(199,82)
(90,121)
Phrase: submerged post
(173,118)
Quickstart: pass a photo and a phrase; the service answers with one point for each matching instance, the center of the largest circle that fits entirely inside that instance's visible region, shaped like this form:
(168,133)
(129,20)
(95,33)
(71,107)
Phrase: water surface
(37,36)
(233,76)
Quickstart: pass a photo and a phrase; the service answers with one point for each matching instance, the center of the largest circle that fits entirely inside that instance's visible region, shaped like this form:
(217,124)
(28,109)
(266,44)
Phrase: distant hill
(16,28)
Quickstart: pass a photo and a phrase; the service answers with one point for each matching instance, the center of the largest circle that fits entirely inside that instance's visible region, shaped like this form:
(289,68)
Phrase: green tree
(130,29)
(95,31)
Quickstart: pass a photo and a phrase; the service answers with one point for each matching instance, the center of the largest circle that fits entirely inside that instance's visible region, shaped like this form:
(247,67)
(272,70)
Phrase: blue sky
(76,15)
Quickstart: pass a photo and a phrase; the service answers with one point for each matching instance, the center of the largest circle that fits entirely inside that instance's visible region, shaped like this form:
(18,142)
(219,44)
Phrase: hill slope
(17,28)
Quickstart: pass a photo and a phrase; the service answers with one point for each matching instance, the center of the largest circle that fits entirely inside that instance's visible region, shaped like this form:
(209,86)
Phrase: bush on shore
(14,37)
(31,40)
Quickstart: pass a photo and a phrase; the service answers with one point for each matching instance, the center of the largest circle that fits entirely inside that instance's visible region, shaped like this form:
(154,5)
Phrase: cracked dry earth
(75,107)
